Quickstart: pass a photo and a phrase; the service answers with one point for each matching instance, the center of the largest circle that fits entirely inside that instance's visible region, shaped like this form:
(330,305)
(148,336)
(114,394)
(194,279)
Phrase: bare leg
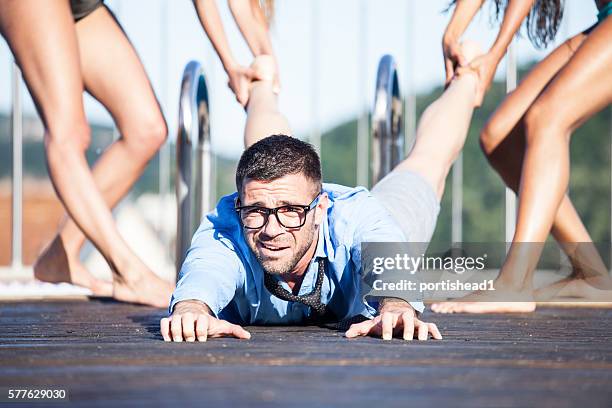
(582,87)
(125,91)
(43,39)
(263,117)
(503,142)
(440,141)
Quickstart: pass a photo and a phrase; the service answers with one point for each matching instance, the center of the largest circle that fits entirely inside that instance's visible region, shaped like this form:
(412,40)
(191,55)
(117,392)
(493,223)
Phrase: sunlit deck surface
(109,354)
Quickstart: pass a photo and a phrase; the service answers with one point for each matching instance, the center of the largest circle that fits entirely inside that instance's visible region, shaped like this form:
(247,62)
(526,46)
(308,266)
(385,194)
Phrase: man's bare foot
(56,264)
(265,67)
(588,289)
(489,302)
(484,307)
(470,50)
(143,287)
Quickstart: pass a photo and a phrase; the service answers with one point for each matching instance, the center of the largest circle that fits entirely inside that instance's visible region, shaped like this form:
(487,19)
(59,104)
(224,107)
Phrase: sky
(328,52)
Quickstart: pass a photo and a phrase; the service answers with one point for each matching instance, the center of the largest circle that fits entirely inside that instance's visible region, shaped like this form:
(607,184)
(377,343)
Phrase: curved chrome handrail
(194,176)
(387,139)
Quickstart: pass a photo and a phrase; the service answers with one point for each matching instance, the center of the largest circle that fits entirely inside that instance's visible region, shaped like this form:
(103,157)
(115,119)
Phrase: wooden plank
(106,353)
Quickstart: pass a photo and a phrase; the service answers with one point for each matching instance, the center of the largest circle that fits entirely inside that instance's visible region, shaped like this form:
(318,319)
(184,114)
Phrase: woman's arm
(485,65)
(239,76)
(252,23)
(465,10)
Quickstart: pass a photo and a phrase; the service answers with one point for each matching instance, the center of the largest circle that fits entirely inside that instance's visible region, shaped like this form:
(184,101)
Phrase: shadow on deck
(109,354)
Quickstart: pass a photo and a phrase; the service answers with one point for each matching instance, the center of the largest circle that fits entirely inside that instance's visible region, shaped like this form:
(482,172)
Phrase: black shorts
(82,8)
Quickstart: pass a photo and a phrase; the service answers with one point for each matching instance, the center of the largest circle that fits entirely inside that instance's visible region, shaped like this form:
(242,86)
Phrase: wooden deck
(109,354)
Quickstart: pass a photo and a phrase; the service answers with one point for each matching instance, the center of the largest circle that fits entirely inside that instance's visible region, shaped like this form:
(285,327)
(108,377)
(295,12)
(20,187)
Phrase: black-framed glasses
(288,216)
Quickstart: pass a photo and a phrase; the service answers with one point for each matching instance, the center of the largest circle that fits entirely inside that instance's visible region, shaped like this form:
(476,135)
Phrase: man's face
(282,250)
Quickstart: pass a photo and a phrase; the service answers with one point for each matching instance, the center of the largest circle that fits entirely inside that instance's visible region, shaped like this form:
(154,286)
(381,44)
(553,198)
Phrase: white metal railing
(17,173)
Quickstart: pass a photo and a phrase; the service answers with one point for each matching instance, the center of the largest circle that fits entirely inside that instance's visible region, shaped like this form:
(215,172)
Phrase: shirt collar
(325,249)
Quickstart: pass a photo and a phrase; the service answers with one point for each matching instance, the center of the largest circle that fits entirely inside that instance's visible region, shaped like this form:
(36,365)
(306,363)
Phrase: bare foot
(588,289)
(265,67)
(470,49)
(55,265)
(144,288)
(486,302)
(484,307)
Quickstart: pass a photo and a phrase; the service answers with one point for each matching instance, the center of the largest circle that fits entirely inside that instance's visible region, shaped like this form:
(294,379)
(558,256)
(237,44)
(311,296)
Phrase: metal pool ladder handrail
(387,139)
(194,158)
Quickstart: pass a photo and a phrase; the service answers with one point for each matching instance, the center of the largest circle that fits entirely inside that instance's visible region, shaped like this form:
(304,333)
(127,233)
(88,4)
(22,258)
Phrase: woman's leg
(43,40)
(503,142)
(582,88)
(263,116)
(126,93)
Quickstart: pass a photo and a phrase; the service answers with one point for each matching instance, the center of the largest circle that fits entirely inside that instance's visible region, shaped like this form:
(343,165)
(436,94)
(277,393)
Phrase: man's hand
(193,320)
(396,317)
(239,78)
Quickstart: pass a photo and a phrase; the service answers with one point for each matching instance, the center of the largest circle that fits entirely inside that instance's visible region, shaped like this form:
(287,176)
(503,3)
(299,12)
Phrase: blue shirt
(221,271)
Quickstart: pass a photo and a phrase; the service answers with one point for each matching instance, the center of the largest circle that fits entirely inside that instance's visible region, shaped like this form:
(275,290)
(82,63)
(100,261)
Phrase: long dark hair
(543,20)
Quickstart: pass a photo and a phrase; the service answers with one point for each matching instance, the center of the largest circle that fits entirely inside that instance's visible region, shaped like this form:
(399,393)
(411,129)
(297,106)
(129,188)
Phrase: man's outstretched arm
(210,277)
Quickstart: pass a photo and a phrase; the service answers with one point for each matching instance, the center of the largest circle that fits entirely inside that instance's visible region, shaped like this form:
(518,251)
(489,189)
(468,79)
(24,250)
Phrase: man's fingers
(359,329)
(188,322)
(239,332)
(202,327)
(387,326)
(408,320)
(423,331)
(435,333)
(222,328)
(176,329)
(164,327)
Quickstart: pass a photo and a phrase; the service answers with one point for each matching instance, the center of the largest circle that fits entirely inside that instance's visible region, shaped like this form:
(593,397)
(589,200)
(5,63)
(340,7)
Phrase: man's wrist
(192,306)
(392,302)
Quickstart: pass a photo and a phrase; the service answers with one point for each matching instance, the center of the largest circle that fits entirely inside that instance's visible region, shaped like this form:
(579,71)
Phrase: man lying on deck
(285,248)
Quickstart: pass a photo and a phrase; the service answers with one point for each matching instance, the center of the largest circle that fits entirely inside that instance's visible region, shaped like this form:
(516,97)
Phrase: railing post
(164,151)
(194,176)
(362,167)
(410,111)
(387,138)
(315,61)
(457,201)
(511,81)
(17,173)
